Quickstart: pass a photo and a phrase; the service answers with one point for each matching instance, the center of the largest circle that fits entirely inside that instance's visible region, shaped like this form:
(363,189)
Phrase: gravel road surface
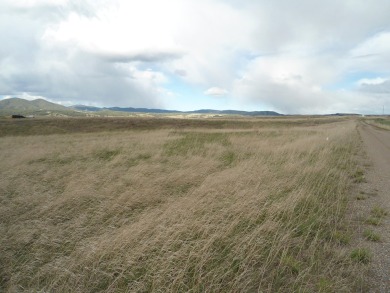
(377,144)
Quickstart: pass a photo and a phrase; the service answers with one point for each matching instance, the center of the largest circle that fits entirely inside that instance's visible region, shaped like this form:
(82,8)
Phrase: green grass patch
(134,161)
(361,197)
(325,285)
(378,212)
(179,189)
(371,235)
(228,158)
(382,121)
(358,176)
(341,237)
(291,264)
(106,154)
(373,221)
(361,255)
(57,160)
(194,143)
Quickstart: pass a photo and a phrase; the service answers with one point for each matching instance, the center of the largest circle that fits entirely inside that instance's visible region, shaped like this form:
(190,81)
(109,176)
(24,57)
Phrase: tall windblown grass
(195,210)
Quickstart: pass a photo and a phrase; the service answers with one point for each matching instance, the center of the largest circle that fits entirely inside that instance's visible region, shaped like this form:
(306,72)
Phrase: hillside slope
(38,107)
(17,104)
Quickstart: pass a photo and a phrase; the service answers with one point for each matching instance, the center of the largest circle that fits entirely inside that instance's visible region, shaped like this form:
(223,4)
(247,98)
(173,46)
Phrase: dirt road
(377,187)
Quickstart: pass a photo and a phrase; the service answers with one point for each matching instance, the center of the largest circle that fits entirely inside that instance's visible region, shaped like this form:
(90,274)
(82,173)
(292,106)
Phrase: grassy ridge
(220,209)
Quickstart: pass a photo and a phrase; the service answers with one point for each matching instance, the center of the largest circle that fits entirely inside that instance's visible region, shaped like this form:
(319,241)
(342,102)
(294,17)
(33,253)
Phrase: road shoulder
(371,205)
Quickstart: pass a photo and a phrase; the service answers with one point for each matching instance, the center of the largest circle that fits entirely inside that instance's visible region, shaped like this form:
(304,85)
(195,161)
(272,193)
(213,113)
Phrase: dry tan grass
(229,210)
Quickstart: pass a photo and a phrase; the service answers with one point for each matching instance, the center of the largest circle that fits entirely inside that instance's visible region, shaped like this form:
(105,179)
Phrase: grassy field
(383,122)
(45,126)
(165,205)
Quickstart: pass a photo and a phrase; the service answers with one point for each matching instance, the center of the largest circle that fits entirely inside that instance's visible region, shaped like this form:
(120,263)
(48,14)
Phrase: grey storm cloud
(376,88)
(329,25)
(81,78)
(148,56)
(47,11)
(65,73)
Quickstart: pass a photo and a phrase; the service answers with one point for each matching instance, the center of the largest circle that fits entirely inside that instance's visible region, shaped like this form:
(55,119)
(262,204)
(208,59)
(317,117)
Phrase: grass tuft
(228,158)
(361,255)
(359,176)
(371,235)
(373,221)
(342,237)
(377,215)
(361,197)
(325,286)
(134,161)
(106,154)
(291,264)
(378,212)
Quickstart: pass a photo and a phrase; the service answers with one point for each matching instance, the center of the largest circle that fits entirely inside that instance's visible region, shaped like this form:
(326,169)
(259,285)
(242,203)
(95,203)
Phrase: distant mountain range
(161,111)
(42,107)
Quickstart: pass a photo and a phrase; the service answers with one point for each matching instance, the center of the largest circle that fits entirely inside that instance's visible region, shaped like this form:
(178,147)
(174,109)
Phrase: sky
(293,57)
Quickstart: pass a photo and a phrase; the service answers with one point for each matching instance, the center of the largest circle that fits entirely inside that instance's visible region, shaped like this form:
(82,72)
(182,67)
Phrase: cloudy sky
(302,56)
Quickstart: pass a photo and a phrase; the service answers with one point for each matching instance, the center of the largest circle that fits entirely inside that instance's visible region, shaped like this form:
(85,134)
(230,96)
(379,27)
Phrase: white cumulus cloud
(216,91)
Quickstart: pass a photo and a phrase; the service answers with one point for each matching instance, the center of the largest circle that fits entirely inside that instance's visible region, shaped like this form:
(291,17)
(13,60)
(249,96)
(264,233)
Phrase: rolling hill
(25,105)
(38,107)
